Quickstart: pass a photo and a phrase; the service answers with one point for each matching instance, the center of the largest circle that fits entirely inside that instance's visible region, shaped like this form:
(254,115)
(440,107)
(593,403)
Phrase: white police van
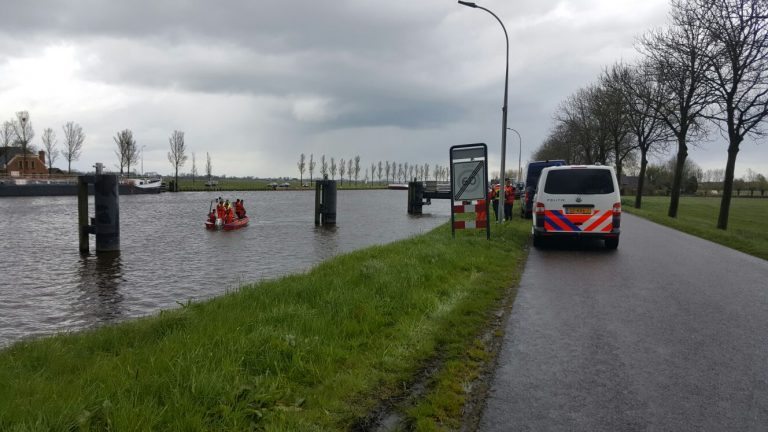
(577,201)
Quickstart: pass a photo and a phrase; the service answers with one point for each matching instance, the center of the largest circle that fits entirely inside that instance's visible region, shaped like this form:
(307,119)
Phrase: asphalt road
(668,333)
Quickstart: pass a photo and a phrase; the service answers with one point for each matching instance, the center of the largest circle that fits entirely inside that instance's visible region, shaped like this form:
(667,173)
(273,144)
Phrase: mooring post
(415,197)
(318,200)
(329,202)
(106,224)
(107,203)
(82,213)
(325,202)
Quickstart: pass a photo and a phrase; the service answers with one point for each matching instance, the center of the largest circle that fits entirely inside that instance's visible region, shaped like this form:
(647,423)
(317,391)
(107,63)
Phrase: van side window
(579,182)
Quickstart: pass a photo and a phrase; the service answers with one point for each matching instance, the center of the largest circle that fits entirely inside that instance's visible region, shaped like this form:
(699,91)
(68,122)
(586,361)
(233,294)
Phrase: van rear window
(579,182)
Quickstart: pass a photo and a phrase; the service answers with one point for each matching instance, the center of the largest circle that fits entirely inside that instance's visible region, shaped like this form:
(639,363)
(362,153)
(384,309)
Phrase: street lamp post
(23,118)
(519,155)
(503,109)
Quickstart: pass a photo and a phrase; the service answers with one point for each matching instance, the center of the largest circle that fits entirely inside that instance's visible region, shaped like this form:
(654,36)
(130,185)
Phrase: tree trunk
(641,181)
(69,167)
(725,203)
(682,154)
(176,180)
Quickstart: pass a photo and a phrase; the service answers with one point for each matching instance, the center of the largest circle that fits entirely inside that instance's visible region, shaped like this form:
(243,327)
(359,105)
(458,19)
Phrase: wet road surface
(668,333)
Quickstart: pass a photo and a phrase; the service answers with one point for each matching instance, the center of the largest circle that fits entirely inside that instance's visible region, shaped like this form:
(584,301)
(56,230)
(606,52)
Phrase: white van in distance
(577,201)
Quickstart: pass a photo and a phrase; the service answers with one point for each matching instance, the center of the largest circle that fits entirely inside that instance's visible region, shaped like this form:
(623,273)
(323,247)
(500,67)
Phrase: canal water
(167,257)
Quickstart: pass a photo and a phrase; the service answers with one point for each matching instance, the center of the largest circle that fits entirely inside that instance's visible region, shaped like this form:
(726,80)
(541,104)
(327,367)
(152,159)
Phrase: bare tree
(194,167)
(357,168)
(49,143)
(208,166)
(131,155)
(23,131)
(125,142)
(641,95)
(426,171)
(737,32)
(334,168)
(323,167)
(350,170)
(177,156)
(311,168)
(613,112)
(302,165)
(373,170)
(379,170)
(677,59)
(73,143)
(6,139)
(387,168)
(342,169)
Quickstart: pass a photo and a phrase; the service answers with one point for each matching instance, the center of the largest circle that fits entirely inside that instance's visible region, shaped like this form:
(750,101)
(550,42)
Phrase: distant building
(15,162)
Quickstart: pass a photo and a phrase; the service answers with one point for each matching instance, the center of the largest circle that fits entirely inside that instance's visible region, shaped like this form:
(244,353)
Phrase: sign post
(469,181)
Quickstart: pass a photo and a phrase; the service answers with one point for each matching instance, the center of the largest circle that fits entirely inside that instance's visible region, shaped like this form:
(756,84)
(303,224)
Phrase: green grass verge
(747,227)
(315,351)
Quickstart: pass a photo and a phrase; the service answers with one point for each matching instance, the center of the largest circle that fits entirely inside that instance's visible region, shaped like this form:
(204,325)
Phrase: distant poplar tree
(311,168)
(342,169)
(334,167)
(49,143)
(323,167)
(379,171)
(194,167)
(302,165)
(124,141)
(357,168)
(177,156)
(73,143)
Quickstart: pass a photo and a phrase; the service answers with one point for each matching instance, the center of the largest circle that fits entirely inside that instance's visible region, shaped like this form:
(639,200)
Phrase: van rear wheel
(612,243)
(538,242)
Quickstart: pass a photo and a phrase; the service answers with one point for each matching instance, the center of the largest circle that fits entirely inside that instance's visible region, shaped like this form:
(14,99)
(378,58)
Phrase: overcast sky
(256,83)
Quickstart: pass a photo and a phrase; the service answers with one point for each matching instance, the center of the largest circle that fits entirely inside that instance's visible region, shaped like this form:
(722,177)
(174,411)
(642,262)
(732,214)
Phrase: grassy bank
(747,226)
(316,351)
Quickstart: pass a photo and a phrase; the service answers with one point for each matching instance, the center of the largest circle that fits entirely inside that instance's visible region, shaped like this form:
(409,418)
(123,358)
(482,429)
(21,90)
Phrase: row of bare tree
(709,66)
(389,171)
(18,132)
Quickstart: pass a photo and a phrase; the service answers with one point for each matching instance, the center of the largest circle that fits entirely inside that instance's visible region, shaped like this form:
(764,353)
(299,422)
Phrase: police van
(577,201)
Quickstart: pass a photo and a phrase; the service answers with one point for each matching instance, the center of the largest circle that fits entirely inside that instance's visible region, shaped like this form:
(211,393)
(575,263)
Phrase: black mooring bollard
(325,202)
(106,223)
(107,204)
(415,197)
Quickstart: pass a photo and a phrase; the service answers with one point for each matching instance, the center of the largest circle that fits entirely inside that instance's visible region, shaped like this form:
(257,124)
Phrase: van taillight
(539,209)
(617,209)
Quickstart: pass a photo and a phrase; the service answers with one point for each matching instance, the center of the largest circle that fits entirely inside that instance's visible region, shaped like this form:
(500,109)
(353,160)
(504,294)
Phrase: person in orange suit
(509,198)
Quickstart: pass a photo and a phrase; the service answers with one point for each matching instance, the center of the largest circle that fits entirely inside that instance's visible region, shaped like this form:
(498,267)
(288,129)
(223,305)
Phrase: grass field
(310,352)
(747,224)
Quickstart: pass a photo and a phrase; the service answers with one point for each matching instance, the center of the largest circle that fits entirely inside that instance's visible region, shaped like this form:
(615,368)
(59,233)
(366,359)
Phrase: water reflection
(99,298)
(326,241)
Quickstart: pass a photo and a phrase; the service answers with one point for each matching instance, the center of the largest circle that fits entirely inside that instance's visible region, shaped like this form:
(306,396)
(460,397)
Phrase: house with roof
(14,163)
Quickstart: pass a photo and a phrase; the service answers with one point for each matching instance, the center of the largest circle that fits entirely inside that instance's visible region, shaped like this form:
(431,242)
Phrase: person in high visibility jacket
(220,210)
(239,209)
(509,198)
(493,195)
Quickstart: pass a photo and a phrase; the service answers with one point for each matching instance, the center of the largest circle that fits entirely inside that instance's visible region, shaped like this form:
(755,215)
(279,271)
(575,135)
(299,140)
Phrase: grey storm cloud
(385,79)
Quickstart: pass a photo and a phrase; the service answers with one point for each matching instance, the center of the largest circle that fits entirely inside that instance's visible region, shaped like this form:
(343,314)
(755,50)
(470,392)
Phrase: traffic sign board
(468,180)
